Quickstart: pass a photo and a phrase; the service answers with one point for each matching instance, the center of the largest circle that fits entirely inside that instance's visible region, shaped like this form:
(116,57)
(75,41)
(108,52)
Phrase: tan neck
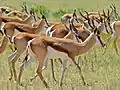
(90,39)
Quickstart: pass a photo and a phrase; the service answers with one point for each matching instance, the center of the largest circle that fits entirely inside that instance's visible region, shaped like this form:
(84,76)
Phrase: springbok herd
(74,35)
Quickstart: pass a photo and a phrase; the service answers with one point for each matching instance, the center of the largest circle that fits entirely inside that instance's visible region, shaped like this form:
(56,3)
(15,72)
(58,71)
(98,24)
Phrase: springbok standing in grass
(39,48)
(115,26)
(10,29)
(58,30)
(12,19)
(24,39)
(83,17)
(64,65)
(82,34)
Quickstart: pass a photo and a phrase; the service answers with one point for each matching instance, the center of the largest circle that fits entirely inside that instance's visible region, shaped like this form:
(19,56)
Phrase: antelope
(21,14)
(82,34)
(20,48)
(21,70)
(8,33)
(39,47)
(115,26)
(66,17)
(91,15)
(9,28)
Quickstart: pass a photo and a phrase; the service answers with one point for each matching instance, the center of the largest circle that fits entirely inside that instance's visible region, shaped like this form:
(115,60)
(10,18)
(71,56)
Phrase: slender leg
(39,72)
(44,66)
(53,75)
(13,65)
(9,63)
(79,60)
(22,67)
(82,77)
(64,63)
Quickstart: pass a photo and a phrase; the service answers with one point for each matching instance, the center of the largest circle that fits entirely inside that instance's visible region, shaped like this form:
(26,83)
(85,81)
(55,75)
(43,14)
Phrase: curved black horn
(104,14)
(75,16)
(83,15)
(24,6)
(43,17)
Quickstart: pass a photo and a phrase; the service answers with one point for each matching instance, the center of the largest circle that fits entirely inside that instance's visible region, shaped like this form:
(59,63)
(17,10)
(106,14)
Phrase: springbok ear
(104,14)
(115,11)
(74,15)
(43,17)
(24,7)
(113,6)
(108,12)
(74,12)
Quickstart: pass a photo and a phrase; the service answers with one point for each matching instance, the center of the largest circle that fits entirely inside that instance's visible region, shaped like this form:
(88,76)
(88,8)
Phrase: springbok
(20,14)
(39,48)
(22,66)
(115,26)
(24,38)
(9,28)
(15,20)
(82,17)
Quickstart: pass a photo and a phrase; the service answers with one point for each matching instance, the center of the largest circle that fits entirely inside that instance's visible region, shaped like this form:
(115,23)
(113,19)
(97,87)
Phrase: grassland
(102,72)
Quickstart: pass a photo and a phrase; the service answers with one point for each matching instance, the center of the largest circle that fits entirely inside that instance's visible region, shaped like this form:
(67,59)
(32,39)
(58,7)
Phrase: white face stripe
(47,33)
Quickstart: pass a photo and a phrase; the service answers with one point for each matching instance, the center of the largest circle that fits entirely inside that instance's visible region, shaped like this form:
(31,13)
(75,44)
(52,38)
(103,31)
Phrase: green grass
(102,72)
